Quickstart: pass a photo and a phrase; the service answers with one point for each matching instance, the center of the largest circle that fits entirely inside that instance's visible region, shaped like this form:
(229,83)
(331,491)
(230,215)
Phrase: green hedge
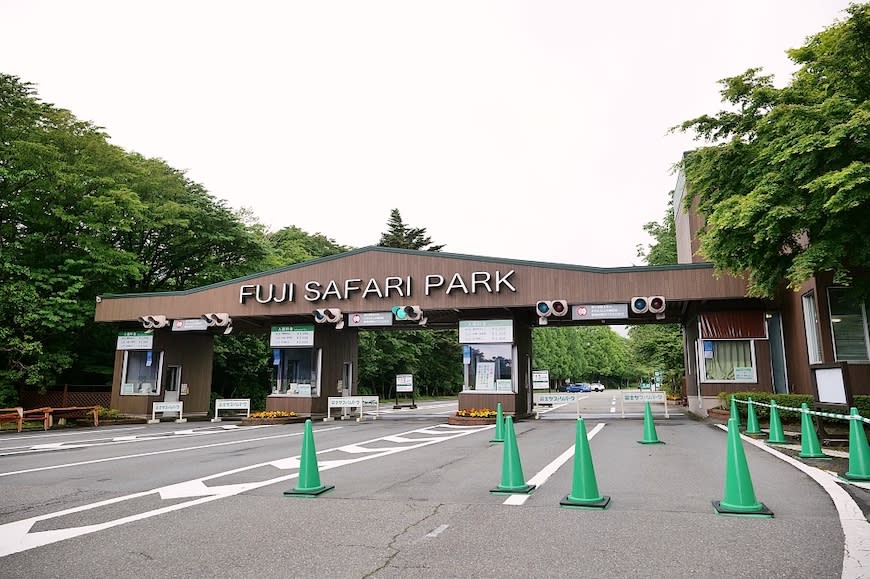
(861,402)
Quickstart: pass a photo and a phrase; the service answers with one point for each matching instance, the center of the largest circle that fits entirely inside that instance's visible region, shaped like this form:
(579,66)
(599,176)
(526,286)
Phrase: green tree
(79,217)
(433,356)
(659,346)
(402,236)
(784,181)
(663,249)
(293,245)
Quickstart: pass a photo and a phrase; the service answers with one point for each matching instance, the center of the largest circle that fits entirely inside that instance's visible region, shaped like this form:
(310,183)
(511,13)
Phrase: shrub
(860,401)
(110,414)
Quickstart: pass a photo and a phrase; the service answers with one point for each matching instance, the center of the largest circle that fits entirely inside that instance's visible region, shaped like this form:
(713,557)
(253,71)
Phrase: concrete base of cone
(762,512)
(523,490)
(309,492)
(570,503)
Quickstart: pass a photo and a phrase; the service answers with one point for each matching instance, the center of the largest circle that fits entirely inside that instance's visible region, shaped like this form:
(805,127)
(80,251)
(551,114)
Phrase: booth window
(728,345)
(728,361)
(848,326)
(491,367)
(293,372)
(811,327)
(140,374)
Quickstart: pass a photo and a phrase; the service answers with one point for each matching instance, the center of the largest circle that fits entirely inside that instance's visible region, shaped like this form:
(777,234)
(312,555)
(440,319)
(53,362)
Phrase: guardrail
(349,402)
(231,404)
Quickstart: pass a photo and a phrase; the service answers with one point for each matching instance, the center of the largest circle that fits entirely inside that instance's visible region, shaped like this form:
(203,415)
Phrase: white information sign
(629,397)
(189,325)
(404,382)
(559,399)
(540,379)
(231,404)
(292,336)
(163,407)
(485,377)
(504,385)
(486,332)
(352,402)
(135,340)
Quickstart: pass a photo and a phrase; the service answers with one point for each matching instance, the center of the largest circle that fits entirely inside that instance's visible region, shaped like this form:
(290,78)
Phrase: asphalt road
(411,499)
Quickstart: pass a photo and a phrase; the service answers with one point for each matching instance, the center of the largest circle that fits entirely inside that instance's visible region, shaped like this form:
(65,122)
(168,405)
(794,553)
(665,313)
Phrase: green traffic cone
(499,424)
(649,428)
(308,482)
(859,451)
(776,436)
(734,413)
(584,488)
(751,419)
(512,479)
(739,496)
(810,447)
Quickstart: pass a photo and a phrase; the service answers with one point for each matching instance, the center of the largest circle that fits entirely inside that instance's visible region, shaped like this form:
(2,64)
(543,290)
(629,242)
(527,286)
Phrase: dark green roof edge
(440,254)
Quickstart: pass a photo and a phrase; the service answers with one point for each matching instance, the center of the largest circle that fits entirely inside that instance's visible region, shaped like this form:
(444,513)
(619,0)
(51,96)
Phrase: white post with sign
(231,404)
(404,383)
(345,402)
(558,398)
(167,407)
(632,397)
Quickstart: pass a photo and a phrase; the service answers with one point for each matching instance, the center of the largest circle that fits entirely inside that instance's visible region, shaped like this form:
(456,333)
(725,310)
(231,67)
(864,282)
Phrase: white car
(597,387)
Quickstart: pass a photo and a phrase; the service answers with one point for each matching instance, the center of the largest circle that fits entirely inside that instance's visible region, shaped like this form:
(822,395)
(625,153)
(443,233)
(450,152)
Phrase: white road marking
(856,529)
(545,473)
(17,536)
(437,531)
(88,442)
(156,452)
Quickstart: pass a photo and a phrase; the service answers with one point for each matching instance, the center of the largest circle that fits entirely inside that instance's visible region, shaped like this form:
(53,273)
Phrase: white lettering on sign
(555,398)
(232,403)
(643,396)
(352,401)
(390,287)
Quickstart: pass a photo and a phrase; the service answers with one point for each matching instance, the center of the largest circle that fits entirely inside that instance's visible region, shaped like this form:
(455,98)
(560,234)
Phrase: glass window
(490,367)
(848,326)
(293,372)
(811,327)
(141,372)
(728,361)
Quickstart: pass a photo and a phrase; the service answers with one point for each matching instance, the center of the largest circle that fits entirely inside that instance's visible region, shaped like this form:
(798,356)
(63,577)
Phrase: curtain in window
(728,355)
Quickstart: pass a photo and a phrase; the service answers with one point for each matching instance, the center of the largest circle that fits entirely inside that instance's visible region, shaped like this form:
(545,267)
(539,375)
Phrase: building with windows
(734,348)
(312,313)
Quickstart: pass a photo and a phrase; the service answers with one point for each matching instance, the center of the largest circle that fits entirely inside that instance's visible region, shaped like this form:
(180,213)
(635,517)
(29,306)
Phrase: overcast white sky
(533,130)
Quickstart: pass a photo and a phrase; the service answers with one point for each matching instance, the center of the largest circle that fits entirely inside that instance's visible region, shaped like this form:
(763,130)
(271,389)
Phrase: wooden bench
(15,415)
(74,412)
(43,414)
(47,415)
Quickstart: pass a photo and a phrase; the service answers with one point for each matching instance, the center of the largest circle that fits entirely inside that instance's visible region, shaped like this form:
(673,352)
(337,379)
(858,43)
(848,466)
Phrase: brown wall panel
(533,282)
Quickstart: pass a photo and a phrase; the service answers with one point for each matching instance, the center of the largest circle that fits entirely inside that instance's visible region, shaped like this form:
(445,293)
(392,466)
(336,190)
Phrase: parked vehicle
(597,387)
(581,387)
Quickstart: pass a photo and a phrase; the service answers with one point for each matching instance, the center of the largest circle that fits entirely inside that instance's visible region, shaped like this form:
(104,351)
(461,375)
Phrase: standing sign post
(405,383)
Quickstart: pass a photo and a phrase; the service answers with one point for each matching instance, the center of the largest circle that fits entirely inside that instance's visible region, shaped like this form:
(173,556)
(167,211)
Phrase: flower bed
(473,417)
(469,420)
(271,417)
